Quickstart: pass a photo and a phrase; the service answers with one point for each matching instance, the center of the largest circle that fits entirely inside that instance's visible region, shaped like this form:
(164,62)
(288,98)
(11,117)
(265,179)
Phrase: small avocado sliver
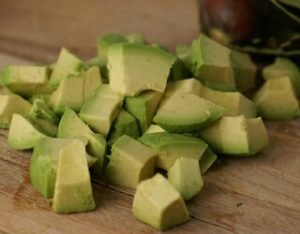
(185,177)
(153,128)
(92,80)
(130,162)
(173,146)
(207,160)
(184,113)
(158,204)
(143,107)
(73,189)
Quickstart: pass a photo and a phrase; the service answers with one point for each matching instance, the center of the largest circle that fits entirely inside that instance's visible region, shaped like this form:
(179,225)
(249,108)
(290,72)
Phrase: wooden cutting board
(259,194)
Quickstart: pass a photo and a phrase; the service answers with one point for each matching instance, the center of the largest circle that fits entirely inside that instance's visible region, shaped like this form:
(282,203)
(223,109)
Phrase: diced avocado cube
(25,80)
(191,85)
(158,204)
(179,71)
(173,146)
(101,109)
(207,160)
(143,107)
(244,71)
(276,100)
(134,68)
(71,126)
(43,165)
(10,104)
(23,134)
(136,38)
(125,124)
(236,136)
(184,53)
(234,103)
(4,90)
(185,177)
(40,110)
(46,126)
(153,128)
(210,62)
(92,80)
(73,189)
(130,162)
(284,67)
(184,113)
(67,66)
(68,94)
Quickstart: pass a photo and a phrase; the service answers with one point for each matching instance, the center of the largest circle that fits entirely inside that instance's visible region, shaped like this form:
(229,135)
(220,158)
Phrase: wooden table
(259,194)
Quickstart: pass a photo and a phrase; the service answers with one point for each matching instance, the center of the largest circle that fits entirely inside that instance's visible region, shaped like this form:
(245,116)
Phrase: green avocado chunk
(143,107)
(73,189)
(237,136)
(158,204)
(185,177)
(184,113)
(277,100)
(153,128)
(67,66)
(92,80)
(134,68)
(207,160)
(40,110)
(130,162)
(173,146)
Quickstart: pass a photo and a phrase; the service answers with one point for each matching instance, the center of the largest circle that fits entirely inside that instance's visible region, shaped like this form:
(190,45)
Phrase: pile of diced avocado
(137,108)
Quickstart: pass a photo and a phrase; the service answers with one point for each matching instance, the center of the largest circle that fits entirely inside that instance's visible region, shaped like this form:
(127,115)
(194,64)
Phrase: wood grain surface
(259,194)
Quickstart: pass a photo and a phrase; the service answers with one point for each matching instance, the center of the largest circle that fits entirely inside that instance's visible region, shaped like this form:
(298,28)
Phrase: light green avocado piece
(10,104)
(158,204)
(234,103)
(73,188)
(43,165)
(191,85)
(184,113)
(244,70)
(71,126)
(237,136)
(130,162)
(153,128)
(134,68)
(125,124)
(23,134)
(211,64)
(184,53)
(92,80)
(24,79)
(40,110)
(207,160)
(66,66)
(173,146)
(143,107)
(276,100)
(101,109)
(4,90)
(185,177)
(68,94)
(284,67)
(136,38)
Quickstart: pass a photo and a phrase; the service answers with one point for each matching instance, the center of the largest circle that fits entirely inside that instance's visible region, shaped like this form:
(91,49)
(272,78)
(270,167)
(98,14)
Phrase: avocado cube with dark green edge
(143,107)
(158,204)
(101,109)
(10,104)
(185,177)
(73,188)
(134,68)
(153,128)
(46,126)
(125,124)
(23,134)
(40,110)
(25,80)
(210,62)
(170,147)
(184,113)
(43,165)
(236,136)
(277,100)
(71,126)
(184,53)
(130,162)
(92,80)
(136,38)
(179,71)
(207,160)
(66,66)
(244,70)
(234,103)
(68,94)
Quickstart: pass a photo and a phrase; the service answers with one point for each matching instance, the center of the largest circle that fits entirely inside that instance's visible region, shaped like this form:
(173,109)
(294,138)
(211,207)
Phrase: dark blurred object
(270,27)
